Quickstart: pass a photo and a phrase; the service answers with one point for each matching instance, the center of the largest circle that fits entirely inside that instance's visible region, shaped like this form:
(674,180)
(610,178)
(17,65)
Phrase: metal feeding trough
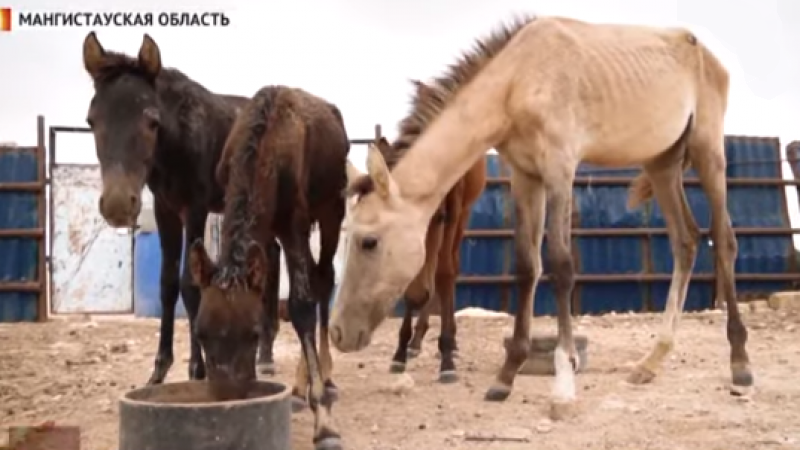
(183,416)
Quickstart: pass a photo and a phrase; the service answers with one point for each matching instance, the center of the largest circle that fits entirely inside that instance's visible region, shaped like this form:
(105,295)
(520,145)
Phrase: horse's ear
(256,267)
(221,172)
(200,264)
(383,143)
(150,56)
(418,85)
(379,172)
(93,55)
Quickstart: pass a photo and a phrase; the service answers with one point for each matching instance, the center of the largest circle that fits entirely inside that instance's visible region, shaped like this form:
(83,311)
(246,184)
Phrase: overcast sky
(359,54)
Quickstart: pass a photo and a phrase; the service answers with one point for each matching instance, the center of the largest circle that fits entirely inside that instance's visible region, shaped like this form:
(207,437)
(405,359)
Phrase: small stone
(544,426)
(119,348)
(402,384)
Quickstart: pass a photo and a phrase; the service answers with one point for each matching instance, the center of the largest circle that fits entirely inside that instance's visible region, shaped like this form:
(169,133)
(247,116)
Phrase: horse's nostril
(134,201)
(336,334)
(100,204)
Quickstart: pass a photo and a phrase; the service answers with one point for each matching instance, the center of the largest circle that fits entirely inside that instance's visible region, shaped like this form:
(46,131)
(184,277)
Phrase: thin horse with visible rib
(284,168)
(436,282)
(154,125)
(548,93)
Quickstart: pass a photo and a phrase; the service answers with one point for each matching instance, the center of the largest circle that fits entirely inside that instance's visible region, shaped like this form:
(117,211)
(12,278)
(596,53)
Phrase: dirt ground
(73,371)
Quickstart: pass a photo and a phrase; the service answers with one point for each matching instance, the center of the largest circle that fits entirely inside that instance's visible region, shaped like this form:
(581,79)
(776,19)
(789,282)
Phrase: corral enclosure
(623,257)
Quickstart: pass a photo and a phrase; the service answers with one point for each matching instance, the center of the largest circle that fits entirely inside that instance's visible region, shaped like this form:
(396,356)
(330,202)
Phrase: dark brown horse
(284,167)
(155,125)
(436,280)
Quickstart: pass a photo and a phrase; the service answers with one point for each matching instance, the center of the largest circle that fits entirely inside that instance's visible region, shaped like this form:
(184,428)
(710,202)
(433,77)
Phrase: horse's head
(228,323)
(124,116)
(421,287)
(386,250)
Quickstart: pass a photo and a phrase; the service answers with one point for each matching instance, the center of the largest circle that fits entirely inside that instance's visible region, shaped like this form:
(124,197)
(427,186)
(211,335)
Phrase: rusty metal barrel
(184,415)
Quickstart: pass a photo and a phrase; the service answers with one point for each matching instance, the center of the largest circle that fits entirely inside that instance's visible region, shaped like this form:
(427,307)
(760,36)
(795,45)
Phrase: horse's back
(325,147)
(605,85)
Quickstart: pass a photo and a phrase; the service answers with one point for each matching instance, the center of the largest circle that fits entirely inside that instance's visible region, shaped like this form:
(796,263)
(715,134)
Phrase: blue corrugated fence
(19,250)
(758,212)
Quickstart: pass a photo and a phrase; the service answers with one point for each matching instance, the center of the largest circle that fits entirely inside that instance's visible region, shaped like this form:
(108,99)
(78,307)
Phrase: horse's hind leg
(403,337)
(330,228)
(421,327)
(446,274)
(303,313)
(666,176)
(269,320)
(529,196)
(419,294)
(710,165)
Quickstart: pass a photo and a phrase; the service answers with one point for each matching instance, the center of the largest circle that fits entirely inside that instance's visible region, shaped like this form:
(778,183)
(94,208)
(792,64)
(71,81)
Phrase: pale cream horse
(548,93)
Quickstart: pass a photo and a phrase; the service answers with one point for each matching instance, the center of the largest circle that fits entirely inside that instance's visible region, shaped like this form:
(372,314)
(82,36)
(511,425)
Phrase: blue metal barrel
(147,275)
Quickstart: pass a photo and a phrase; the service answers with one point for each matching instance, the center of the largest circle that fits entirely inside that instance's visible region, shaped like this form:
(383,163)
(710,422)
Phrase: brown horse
(436,280)
(155,125)
(548,94)
(284,167)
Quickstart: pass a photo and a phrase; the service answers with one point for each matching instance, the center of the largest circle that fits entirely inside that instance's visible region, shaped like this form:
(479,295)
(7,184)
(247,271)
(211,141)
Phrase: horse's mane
(429,101)
(241,193)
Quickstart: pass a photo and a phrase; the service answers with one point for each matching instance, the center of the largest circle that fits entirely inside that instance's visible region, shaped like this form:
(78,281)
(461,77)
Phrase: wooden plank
(20,286)
(41,213)
(22,186)
(37,233)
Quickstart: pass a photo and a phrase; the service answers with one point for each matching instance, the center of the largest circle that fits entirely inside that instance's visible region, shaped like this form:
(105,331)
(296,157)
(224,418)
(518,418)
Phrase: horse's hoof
(397,367)
(743,392)
(331,391)
(412,352)
(266,368)
(298,404)
(497,394)
(448,377)
(329,443)
(641,375)
(742,377)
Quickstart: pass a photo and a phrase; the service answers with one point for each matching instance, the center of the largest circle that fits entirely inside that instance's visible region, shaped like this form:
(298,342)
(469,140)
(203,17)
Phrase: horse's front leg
(170,231)
(195,229)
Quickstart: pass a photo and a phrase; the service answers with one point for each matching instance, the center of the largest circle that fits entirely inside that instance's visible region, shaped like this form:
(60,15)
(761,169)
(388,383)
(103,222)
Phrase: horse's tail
(641,188)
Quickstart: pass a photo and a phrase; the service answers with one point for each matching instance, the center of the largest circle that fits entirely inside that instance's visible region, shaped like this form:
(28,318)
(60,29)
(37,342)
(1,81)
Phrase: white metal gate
(91,262)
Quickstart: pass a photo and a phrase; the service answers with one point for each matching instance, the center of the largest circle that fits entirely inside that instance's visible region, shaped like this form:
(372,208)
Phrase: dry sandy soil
(72,371)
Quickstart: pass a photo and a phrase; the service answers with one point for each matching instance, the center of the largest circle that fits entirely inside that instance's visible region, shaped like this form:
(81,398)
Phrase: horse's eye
(153,118)
(369,243)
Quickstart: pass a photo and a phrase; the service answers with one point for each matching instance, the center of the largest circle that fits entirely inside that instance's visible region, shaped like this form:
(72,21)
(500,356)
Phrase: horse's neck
(472,124)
